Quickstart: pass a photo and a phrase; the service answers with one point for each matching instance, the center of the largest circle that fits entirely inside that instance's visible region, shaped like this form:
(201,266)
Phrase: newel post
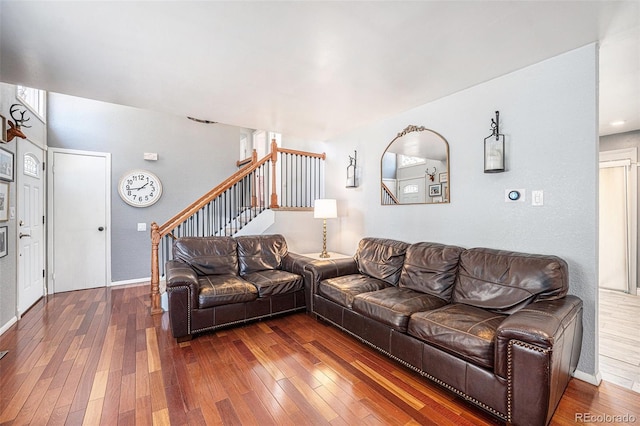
(274,159)
(155,270)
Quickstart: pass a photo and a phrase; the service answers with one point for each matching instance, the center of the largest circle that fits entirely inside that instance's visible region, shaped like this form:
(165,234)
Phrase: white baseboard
(164,301)
(133,281)
(593,379)
(8,325)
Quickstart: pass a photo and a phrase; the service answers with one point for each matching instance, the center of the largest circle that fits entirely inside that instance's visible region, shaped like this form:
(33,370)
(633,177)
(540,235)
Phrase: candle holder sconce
(352,181)
(494,148)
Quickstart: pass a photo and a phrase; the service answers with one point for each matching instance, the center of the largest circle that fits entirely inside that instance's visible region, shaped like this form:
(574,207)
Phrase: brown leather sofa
(219,281)
(495,327)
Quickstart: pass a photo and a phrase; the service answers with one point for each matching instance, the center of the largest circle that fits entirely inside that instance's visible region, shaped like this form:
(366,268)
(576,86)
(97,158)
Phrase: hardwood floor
(96,357)
(619,321)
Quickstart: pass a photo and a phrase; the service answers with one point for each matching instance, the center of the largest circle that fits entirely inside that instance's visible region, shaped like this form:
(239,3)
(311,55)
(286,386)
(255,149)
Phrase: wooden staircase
(226,209)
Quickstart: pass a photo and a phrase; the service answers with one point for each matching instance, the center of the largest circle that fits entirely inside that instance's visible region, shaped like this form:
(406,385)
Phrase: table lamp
(325,209)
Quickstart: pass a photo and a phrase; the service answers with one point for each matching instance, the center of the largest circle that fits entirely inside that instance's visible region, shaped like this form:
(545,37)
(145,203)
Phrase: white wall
(549,115)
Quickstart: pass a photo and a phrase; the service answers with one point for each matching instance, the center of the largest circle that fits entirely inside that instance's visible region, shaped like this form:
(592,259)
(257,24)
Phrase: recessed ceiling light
(617,123)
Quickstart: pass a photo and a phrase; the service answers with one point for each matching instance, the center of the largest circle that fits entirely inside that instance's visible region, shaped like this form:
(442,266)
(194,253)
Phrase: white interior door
(80,205)
(31,233)
(618,220)
(613,229)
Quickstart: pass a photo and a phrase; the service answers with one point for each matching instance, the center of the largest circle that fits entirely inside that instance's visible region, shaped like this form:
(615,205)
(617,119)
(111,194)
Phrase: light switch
(151,156)
(142,227)
(537,198)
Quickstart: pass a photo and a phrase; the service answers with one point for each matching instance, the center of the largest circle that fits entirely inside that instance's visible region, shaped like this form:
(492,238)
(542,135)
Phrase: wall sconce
(325,209)
(351,171)
(494,148)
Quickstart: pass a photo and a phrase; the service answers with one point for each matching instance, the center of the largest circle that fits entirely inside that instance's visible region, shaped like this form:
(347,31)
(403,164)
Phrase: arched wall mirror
(415,168)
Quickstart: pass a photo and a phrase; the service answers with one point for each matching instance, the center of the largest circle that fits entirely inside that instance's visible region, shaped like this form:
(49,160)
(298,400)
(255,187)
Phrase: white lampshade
(325,209)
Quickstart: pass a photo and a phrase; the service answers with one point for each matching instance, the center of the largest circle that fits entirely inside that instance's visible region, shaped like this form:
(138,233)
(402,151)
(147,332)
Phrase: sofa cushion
(431,268)
(506,281)
(260,252)
(272,282)
(208,255)
(463,330)
(215,290)
(343,289)
(381,258)
(393,306)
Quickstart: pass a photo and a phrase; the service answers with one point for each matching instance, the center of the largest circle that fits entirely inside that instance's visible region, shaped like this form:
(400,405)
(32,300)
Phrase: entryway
(30,185)
(618,304)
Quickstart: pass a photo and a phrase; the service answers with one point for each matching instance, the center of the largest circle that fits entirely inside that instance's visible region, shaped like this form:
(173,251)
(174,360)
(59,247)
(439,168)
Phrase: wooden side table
(332,256)
(316,257)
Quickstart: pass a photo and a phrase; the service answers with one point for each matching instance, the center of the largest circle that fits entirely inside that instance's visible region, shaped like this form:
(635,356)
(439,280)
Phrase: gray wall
(8,264)
(549,115)
(622,141)
(193,158)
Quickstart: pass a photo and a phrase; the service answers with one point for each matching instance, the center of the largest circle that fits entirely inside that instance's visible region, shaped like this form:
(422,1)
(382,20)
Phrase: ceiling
(308,69)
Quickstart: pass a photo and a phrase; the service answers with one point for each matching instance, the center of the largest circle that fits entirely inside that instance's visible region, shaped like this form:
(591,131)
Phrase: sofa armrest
(295,263)
(537,350)
(182,289)
(319,270)
(179,273)
(540,324)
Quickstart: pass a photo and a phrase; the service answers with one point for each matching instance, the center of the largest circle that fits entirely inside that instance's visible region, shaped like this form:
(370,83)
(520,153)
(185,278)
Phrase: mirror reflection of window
(410,189)
(415,159)
(408,160)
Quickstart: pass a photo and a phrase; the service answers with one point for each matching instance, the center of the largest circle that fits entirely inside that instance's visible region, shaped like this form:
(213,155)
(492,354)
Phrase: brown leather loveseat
(219,281)
(495,327)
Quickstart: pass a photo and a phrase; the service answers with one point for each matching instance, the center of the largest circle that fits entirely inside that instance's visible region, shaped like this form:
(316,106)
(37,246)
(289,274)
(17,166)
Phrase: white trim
(592,379)
(8,325)
(164,301)
(615,163)
(131,281)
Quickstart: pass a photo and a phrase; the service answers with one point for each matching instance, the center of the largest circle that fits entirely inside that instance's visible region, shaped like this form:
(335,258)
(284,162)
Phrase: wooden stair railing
(387,196)
(223,206)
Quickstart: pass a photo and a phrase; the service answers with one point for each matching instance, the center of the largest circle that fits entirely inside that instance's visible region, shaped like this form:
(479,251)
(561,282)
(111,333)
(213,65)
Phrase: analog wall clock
(140,188)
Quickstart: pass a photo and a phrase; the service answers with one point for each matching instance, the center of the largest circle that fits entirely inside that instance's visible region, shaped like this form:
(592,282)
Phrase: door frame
(18,167)
(50,210)
(612,158)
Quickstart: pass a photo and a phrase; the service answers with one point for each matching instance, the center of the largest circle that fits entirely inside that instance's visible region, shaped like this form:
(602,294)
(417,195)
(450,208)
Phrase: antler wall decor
(14,127)
(432,176)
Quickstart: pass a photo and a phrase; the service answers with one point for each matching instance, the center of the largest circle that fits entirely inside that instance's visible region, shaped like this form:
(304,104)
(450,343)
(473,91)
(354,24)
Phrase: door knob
(101,228)
(24,235)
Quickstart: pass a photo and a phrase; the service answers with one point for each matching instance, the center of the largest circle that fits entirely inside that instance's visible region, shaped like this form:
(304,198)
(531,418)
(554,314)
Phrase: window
(34,99)
(31,165)
(406,160)
(410,189)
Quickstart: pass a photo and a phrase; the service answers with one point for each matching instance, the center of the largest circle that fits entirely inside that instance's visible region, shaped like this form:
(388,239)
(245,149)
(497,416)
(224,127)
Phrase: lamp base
(324,253)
